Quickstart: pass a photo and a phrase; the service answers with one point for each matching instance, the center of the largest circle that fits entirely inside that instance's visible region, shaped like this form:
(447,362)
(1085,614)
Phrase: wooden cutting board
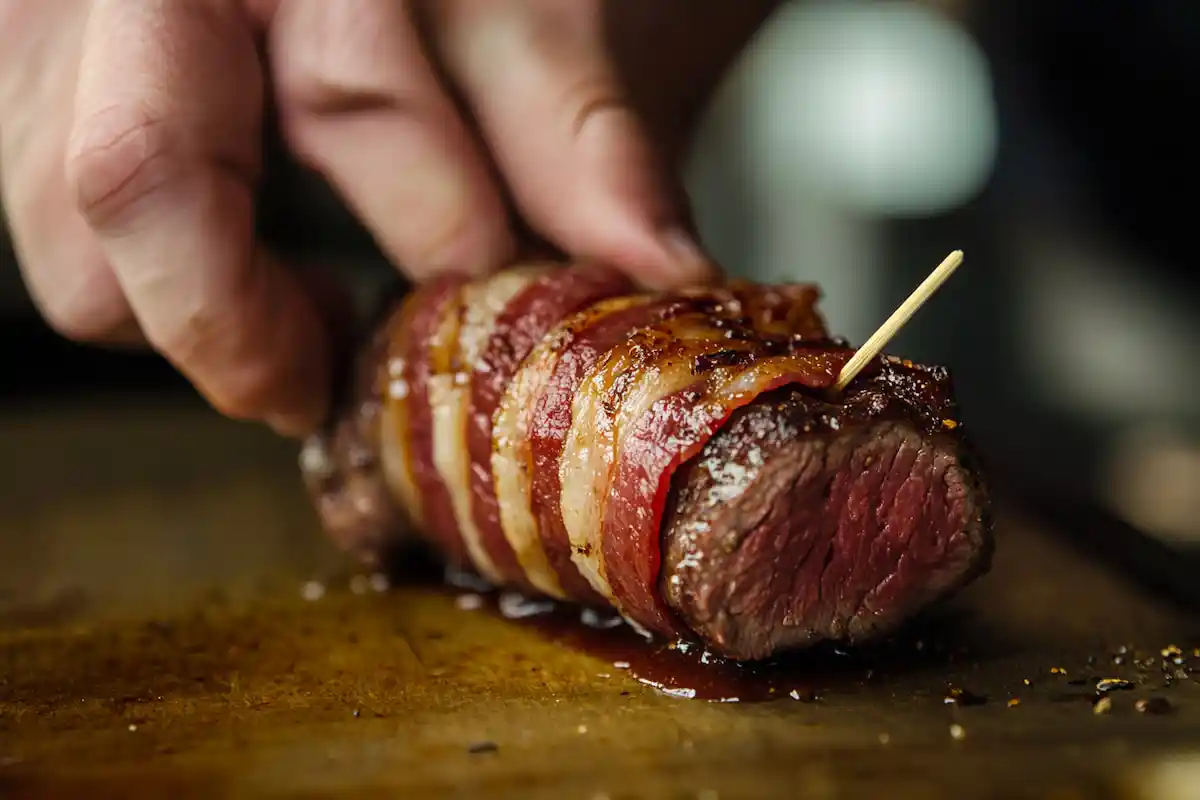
(173,624)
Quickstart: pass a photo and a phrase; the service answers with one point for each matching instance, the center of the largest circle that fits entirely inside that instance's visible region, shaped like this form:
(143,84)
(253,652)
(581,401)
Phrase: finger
(163,159)
(560,125)
(67,276)
(360,103)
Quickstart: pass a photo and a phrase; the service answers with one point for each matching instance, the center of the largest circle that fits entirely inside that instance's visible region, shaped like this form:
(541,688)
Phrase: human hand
(131,137)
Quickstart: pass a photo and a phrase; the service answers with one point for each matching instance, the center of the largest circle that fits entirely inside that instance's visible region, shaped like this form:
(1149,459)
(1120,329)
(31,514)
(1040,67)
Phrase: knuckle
(115,160)
(334,54)
(586,100)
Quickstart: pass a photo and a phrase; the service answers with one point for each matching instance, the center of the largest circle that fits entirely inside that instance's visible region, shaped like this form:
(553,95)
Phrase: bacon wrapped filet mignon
(679,457)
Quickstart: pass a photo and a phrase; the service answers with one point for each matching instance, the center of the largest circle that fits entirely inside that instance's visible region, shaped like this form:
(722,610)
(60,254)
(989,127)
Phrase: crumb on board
(468,602)
(1103,706)
(1153,705)
(958,732)
(962,697)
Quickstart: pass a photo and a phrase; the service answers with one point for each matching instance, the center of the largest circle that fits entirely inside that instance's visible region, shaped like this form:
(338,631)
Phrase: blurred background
(857,143)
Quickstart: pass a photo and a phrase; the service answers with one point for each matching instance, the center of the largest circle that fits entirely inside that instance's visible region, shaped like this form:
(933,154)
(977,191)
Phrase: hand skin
(131,146)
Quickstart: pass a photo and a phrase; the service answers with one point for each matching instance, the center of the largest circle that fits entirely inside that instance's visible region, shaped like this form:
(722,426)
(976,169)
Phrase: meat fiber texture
(679,457)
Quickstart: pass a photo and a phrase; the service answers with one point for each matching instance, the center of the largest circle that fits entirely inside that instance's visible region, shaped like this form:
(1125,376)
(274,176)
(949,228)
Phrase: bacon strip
(523,324)
(621,386)
(587,339)
(513,462)
(395,424)
(512,468)
(482,302)
(422,350)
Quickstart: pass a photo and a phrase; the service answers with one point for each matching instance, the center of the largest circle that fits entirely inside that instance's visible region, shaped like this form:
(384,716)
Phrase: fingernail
(687,262)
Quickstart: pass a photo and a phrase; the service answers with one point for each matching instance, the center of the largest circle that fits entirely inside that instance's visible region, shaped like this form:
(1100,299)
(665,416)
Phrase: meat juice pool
(679,669)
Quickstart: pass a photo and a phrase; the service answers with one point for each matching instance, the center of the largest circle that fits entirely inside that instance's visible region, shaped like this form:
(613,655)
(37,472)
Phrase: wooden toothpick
(874,346)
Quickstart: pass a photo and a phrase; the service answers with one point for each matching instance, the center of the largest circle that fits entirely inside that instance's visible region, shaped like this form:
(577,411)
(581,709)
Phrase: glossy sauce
(682,669)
